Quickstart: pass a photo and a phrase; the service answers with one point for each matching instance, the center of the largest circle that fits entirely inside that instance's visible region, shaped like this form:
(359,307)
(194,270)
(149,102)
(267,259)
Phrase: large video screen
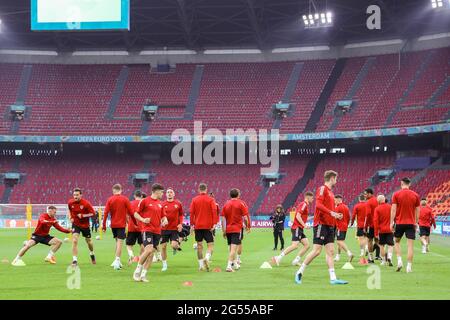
(67,15)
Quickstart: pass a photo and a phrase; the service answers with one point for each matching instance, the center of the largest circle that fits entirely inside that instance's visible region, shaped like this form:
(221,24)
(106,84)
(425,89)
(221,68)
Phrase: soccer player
(426,220)
(234,215)
(151,213)
(383,231)
(134,230)
(174,213)
(41,235)
(342,227)
(298,235)
(371,204)
(80,212)
(359,214)
(120,208)
(324,222)
(405,212)
(203,221)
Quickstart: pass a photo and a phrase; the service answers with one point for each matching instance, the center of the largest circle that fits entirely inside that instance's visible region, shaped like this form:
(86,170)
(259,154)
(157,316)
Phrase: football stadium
(224,150)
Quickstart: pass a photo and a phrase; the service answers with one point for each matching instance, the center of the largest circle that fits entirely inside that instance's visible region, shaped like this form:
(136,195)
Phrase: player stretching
(371,204)
(151,213)
(120,208)
(342,227)
(203,211)
(234,214)
(298,235)
(80,212)
(405,213)
(174,213)
(359,214)
(134,230)
(426,220)
(41,235)
(383,231)
(324,221)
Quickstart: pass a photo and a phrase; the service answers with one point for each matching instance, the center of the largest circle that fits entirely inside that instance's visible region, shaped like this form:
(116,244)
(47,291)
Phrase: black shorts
(204,234)
(298,234)
(118,233)
(86,232)
(386,238)
(370,233)
(149,238)
(132,237)
(340,235)
(167,235)
(323,234)
(41,239)
(408,229)
(424,231)
(234,238)
(360,232)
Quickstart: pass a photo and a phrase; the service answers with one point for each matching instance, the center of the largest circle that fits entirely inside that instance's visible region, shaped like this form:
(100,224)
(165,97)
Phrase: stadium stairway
(354,88)
(319,108)
(259,200)
(21,94)
(289,91)
(440,91)
(194,92)
(117,94)
(301,184)
(422,68)
(9,189)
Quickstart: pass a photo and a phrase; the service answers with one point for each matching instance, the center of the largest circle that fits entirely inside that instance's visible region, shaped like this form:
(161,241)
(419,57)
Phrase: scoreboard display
(74,15)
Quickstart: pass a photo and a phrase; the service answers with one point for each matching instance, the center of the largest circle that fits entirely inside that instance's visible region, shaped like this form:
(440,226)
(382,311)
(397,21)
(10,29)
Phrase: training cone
(217,269)
(6,261)
(266,265)
(348,266)
(187,283)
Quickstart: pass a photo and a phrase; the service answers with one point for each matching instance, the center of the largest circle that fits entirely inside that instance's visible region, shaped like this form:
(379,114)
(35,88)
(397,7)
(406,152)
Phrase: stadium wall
(46,56)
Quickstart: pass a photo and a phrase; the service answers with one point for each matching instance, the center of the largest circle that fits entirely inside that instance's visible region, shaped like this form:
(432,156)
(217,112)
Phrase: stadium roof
(200,24)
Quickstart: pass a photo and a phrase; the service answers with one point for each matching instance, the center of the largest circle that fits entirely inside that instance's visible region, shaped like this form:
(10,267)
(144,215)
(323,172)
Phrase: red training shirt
(342,224)
(153,209)
(371,204)
(407,201)
(45,223)
(324,206)
(426,217)
(234,210)
(382,219)
(119,206)
(301,209)
(359,213)
(82,207)
(203,212)
(133,226)
(174,213)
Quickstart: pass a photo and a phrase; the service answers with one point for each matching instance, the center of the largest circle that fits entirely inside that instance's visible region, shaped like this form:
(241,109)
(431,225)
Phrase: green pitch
(430,278)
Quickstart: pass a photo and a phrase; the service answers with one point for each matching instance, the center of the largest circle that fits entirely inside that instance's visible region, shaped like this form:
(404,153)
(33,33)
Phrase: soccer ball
(97,238)
(195,246)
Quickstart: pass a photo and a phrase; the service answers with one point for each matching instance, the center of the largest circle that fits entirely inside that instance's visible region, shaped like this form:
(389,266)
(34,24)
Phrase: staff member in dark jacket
(278,219)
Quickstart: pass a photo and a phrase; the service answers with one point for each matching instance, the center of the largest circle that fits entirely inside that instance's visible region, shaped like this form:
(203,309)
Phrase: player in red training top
(298,235)
(174,213)
(41,235)
(134,230)
(324,222)
(151,214)
(234,215)
(359,214)
(426,220)
(120,208)
(203,219)
(405,212)
(383,231)
(371,204)
(342,226)
(80,212)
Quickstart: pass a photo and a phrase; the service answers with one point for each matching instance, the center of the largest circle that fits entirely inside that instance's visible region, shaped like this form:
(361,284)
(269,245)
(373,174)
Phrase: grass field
(38,280)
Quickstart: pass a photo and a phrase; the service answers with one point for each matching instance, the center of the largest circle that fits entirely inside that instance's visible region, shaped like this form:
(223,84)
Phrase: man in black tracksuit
(278,219)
